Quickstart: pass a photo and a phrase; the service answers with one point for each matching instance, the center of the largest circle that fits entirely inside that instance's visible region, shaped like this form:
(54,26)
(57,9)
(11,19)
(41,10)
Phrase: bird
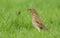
(36,20)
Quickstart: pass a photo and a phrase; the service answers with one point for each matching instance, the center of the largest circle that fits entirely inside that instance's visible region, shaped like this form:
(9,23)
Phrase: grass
(13,25)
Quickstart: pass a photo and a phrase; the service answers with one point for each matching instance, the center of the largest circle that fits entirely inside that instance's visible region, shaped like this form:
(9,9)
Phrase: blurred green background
(14,25)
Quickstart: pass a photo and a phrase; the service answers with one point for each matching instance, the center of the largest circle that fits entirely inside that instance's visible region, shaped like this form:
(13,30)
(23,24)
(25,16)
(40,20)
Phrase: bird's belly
(35,24)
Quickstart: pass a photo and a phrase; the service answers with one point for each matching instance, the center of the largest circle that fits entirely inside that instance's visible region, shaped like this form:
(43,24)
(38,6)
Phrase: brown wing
(41,24)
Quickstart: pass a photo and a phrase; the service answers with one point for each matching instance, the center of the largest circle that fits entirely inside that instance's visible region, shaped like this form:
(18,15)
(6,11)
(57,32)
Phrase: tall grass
(13,25)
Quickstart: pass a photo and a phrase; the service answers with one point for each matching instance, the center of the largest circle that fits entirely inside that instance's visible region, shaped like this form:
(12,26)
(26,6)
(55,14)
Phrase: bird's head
(32,10)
